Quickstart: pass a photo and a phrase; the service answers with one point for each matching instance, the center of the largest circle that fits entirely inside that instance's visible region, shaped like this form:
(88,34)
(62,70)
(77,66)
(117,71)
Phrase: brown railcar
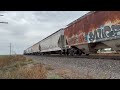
(93,31)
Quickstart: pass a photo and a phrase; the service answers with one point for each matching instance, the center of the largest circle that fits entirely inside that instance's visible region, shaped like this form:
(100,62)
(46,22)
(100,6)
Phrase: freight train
(89,33)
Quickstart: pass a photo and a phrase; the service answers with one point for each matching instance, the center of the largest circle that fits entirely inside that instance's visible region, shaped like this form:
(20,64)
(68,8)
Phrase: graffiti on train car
(105,32)
(77,39)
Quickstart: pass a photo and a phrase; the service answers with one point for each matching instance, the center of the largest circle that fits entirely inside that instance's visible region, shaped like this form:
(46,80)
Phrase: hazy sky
(26,28)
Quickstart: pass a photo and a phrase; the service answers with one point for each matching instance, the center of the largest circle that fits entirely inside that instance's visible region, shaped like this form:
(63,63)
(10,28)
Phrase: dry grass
(18,67)
(7,60)
(33,72)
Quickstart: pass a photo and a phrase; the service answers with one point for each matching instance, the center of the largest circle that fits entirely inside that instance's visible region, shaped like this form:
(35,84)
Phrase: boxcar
(93,31)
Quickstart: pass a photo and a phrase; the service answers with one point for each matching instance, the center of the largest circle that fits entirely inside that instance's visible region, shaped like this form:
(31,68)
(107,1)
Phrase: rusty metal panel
(94,27)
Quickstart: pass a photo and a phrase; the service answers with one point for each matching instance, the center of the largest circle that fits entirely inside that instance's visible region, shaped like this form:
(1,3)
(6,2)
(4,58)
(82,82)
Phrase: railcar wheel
(42,54)
(67,52)
(80,52)
(87,54)
(71,52)
(60,53)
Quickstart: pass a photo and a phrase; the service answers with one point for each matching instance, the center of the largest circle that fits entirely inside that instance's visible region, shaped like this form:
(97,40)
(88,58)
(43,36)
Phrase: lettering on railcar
(104,33)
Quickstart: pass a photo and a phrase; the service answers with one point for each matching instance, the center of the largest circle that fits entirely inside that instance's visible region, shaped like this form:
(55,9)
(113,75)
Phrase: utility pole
(10,49)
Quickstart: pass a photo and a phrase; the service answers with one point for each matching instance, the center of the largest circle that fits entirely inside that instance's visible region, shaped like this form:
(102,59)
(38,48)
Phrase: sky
(26,28)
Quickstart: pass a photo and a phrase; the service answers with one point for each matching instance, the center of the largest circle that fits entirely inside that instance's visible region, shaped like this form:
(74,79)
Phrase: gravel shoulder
(80,68)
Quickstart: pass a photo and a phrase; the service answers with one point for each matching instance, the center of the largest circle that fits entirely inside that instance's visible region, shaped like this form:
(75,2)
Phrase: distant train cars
(51,44)
(89,33)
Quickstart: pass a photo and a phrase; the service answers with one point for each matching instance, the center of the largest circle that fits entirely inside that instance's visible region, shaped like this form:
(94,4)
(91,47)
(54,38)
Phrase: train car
(93,31)
(28,51)
(24,52)
(53,43)
(35,49)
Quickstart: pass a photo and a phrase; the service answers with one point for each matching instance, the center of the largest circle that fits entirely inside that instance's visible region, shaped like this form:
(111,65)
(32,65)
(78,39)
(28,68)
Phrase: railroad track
(92,56)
